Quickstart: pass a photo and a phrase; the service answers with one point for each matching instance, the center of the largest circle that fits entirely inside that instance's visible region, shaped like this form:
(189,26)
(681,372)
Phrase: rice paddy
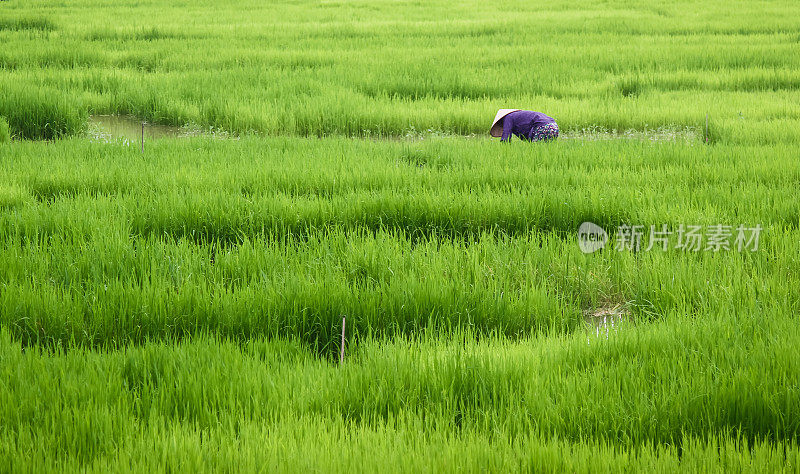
(179,307)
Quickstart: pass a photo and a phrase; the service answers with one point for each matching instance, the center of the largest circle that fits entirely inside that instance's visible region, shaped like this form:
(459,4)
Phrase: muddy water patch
(130,129)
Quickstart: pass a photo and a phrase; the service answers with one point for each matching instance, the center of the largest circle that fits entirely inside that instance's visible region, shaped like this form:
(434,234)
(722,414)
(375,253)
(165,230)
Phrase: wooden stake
(142,137)
(706,132)
(341,355)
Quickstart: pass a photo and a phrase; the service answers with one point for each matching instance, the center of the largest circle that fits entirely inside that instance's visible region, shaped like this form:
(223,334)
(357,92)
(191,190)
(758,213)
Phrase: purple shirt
(521,122)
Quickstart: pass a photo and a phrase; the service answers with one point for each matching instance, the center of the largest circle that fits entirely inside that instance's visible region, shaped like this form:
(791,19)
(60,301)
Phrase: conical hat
(497,125)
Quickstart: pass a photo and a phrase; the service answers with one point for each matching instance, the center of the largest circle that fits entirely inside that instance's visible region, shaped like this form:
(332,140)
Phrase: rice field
(180,307)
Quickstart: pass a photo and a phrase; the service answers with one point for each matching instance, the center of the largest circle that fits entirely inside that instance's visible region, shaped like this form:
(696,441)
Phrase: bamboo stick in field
(341,355)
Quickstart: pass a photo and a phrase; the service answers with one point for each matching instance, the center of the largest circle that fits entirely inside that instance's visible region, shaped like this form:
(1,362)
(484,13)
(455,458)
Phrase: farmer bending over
(526,124)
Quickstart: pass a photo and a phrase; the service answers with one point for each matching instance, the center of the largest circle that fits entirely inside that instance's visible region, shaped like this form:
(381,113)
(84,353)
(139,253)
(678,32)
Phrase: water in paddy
(675,133)
(661,134)
(128,128)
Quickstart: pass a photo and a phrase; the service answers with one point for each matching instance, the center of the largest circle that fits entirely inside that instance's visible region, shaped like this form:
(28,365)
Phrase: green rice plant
(11,196)
(668,408)
(471,313)
(183,307)
(18,23)
(40,113)
(244,243)
(398,70)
